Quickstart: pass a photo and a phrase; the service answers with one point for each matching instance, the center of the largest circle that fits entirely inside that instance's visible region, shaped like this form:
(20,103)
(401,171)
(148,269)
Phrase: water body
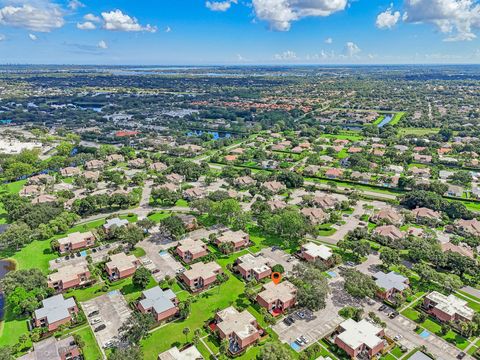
(386,120)
(216,135)
(5,267)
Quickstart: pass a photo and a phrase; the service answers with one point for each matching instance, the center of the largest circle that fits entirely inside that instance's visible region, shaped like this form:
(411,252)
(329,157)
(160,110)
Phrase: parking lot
(278,256)
(158,259)
(106,314)
(321,322)
(98,254)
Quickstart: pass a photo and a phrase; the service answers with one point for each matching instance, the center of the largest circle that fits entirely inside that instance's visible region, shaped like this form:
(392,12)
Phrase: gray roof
(419,356)
(55,308)
(392,280)
(158,299)
(115,222)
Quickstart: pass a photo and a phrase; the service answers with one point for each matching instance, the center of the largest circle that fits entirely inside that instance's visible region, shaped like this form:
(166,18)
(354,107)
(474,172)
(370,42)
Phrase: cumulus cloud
(87,25)
(41,16)
(92,18)
(281,13)
(168,29)
(387,19)
(329,40)
(458,19)
(220,5)
(286,56)
(33,37)
(102,44)
(2,37)
(75,4)
(351,49)
(116,20)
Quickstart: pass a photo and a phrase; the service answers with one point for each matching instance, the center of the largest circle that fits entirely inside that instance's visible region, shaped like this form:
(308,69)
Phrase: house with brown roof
(388,215)
(314,215)
(137,163)
(277,298)
(94,165)
(423,159)
(471,227)
(30,190)
(238,238)
(325,202)
(69,276)
(425,214)
(193,193)
(201,275)
(44,198)
(239,328)
(462,250)
(244,181)
(389,231)
(162,304)
(274,186)
(174,178)
(40,179)
(276,204)
(91,175)
(189,221)
(76,241)
(158,166)
(191,249)
(253,267)
(230,158)
(334,173)
(420,172)
(55,311)
(121,266)
(115,157)
(70,171)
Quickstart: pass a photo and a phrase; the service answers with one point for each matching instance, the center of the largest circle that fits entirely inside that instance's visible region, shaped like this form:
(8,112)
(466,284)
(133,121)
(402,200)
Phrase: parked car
(383,307)
(94,313)
(95,321)
(461,355)
(100,327)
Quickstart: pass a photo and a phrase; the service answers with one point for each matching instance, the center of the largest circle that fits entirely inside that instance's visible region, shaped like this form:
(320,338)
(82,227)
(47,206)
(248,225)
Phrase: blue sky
(239,31)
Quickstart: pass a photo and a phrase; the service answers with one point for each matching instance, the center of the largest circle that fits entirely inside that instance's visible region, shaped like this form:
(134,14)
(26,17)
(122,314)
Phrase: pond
(5,267)
(385,120)
(216,135)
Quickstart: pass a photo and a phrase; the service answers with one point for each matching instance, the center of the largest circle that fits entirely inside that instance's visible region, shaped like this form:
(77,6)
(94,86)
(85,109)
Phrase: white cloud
(220,5)
(87,25)
(240,58)
(41,16)
(75,4)
(458,19)
(33,37)
(286,56)
(102,44)
(387,19)
(329,40)
(118,21)
(168,29)
(2,37)
(281,13)
(92,18)
(351,49)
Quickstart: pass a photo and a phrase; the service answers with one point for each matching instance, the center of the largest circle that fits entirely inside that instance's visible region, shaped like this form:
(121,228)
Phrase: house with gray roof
(56,311)
(54,349)
(117,222)
(390,284)
(162,304)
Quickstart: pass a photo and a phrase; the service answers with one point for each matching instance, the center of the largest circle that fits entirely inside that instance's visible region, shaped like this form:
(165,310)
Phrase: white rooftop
(320,251)
(359,333)
(451,304)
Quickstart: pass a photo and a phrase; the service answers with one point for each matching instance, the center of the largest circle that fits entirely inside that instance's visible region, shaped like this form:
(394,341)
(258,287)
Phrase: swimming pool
(424,334)
(83,253)
(295,346)
(333,274)
(163,253)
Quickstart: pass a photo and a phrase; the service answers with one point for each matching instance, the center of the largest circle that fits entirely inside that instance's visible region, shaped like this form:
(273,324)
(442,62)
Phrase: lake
(5,267)
(385,120)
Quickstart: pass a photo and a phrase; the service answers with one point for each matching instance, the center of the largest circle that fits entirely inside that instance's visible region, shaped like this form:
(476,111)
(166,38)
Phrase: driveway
(279,256)
(113,312)
(156,250)
(370,266)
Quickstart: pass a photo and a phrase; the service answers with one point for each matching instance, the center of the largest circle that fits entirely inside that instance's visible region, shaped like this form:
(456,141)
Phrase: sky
(239,32)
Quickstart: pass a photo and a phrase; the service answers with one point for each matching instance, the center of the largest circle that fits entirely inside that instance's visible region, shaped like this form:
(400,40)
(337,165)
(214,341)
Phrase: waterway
(216,135)
(386,120)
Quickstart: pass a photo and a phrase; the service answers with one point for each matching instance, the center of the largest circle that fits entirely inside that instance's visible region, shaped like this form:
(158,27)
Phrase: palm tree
(186,331)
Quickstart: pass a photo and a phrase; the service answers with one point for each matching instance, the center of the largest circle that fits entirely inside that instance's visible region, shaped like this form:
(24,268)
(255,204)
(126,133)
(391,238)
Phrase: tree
(390,257)
(312,286)
(186,331)
(126,353)
(358,284)
(174,225)
(7,353)
(278,268)
(136,327)
(274,351)
(288,224)
(290,179)
(141,278)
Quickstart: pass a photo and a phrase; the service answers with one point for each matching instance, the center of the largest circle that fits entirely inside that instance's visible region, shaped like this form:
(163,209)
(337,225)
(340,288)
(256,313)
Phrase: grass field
(397,117)
(91,351)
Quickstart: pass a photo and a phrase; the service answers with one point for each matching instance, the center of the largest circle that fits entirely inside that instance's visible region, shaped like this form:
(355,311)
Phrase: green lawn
(91,351)
(11,329)
(156,217)
(182,203)
(37,254)
(14,187)
(396,119)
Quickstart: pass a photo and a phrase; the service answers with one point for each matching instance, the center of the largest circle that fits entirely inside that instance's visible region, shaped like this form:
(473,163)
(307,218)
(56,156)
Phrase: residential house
(189,221)
(201,275)
(187,353)
(274,186)
(447,308)
(162,304)
(174,178)
(76,241)
(158,166)
(191,249)
(389,231)
(193,193)
(30,190)
(70,171)
(459,249)
(276,204)
(43,199)
(312,252)
(277,298)
(388,215)
(54,348)
(423,159)
(115,157)
(137,163)
(121,266)
(325,202)
(471,227)
(55,311)
(424,214)
(390,284)
(239,239)
(69,276)
(360,339)
(94,165)
(455,190)
(315,215)
(114,223)
(244,181)
(253,267)
(334,173)
(239,328)
(420,172)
